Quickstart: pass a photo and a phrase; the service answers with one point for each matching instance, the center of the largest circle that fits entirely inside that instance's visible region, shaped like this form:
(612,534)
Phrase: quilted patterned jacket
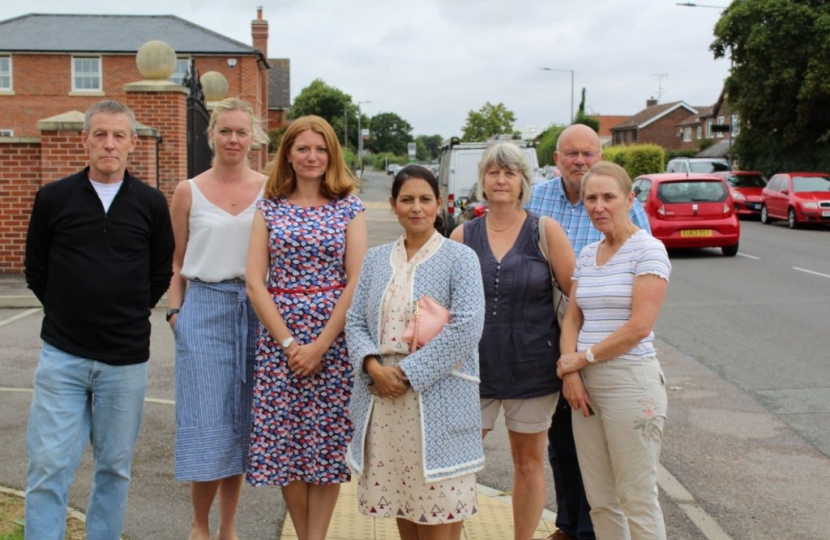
(444,372)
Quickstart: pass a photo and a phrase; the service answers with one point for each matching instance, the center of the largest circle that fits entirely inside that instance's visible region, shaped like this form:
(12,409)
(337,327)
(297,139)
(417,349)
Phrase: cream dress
(392,483)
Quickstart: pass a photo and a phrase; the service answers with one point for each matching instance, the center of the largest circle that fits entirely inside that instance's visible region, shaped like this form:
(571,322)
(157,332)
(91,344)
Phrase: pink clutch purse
(427,321)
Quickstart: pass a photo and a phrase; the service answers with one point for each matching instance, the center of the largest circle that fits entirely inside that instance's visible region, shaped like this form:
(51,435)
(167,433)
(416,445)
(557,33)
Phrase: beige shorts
(520,415)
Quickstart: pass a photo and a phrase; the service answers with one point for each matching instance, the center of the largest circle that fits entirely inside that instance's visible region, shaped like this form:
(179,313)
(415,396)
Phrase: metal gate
(199,155)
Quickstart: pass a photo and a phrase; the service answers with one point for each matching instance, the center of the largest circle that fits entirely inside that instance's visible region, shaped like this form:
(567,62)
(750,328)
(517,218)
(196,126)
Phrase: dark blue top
(520,344)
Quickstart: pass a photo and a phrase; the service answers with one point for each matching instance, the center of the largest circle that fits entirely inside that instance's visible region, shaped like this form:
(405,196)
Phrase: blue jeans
(77,399)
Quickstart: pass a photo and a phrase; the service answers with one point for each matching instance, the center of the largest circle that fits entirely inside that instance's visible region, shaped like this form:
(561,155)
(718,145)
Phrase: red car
(802,197)
(746,187)
(690,210)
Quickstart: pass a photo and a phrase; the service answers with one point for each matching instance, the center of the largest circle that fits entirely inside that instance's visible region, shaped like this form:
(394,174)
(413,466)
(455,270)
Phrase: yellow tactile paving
(494,521)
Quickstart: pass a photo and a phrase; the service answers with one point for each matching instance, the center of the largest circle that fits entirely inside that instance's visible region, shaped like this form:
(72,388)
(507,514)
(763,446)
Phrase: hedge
(637,159)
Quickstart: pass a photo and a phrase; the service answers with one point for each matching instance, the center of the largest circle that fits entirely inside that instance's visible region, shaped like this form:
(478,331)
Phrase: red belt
(311,290)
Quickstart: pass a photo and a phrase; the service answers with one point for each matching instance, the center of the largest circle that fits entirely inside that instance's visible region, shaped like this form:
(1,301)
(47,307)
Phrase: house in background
(724,124)
(656,124)
(606,122)
(279,92)
(695,128)
(50,64)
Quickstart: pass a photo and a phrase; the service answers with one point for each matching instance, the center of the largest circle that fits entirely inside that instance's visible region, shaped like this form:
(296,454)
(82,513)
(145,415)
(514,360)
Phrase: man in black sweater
(99,256)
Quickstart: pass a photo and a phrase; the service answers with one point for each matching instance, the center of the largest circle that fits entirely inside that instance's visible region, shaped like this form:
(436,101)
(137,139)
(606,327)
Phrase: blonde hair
(338,180)
(508,156)
(236,104)
(607,168)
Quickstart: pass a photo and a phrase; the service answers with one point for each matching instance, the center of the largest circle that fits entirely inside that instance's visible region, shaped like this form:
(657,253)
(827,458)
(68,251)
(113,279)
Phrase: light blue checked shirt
(549,199)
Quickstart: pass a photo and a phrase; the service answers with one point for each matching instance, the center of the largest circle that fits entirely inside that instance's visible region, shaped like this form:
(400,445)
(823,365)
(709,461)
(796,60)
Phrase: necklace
(504,229)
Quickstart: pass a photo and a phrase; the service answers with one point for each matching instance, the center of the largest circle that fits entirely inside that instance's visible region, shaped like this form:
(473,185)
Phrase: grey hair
(236,104)
(505,155)
(112,107)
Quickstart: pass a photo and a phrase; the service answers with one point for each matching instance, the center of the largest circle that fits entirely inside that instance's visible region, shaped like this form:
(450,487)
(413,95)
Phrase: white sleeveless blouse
(217,245)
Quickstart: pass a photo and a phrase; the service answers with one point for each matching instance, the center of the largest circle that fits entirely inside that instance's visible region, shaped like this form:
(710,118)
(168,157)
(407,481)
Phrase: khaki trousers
(619,447)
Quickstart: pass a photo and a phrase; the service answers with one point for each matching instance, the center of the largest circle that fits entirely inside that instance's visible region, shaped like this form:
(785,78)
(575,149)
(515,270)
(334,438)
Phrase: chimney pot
(259,13)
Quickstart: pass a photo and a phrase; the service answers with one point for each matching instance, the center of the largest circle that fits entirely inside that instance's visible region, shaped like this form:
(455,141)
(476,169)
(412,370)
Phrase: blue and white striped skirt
(216,333)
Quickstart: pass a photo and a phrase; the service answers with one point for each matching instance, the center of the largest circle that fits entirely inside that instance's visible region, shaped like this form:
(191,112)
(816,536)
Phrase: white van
(458,173)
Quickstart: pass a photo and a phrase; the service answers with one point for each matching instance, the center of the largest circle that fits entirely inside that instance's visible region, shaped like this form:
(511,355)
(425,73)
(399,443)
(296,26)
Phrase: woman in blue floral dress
(307,244)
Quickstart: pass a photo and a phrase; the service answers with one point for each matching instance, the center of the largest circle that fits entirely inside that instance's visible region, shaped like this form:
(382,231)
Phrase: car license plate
(825,213)
(696,232)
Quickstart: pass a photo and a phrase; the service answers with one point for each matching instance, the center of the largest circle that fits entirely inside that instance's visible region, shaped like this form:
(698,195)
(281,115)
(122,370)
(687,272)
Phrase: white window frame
(687,134)
(9,74)
(100,73)
(735,124)
(720,123)
(699,132)
(6,133)
(709,123)
(174,77)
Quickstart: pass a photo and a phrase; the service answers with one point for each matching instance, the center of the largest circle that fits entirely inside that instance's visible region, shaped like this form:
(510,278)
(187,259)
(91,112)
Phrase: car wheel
(730,251)
(792,222)
(765,215)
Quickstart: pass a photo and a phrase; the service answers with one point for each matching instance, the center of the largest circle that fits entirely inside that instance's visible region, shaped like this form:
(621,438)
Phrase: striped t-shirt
(604,292)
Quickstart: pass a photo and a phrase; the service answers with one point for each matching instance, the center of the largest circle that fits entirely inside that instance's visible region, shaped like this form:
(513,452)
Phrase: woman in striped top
(619,402)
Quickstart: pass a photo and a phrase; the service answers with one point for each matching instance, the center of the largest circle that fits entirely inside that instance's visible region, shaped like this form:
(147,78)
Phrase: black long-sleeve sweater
(99,273)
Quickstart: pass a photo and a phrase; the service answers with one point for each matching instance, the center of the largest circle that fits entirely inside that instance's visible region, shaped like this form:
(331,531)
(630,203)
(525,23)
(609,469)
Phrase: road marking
(810,272)
(20,316)
(679,494)
(753,257)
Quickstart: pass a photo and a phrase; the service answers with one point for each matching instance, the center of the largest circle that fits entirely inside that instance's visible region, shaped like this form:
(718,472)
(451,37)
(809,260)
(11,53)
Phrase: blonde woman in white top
(214,323)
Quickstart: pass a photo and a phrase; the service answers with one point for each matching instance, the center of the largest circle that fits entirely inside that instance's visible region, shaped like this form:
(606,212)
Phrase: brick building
(52,67)
(656,124)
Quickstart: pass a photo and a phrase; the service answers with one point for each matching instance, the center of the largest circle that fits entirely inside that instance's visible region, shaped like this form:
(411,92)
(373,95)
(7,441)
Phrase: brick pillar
(62,150)
(163,106)
(19,181)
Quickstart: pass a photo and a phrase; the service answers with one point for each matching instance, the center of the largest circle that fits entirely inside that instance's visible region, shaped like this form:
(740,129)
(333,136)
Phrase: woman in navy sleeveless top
(520,344)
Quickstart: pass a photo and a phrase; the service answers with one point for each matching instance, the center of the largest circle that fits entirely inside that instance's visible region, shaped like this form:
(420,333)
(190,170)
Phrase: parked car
(802,197)
(690,210)
(697,165)
(472,207)
(746,187)
(393,169)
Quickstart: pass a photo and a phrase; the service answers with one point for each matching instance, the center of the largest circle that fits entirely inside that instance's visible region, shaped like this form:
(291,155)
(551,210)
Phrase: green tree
(432,145)
(546,144)
(582,118)
(488,121)
(330,103)
(779,82)
(388,132)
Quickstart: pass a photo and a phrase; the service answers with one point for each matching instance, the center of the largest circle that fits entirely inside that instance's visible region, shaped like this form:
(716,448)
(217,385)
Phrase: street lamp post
(360,138)
(572,86)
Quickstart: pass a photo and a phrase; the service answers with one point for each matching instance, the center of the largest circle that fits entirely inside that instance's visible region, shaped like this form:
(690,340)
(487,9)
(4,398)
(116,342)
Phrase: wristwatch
(287,342)
(589,356)
(170,313)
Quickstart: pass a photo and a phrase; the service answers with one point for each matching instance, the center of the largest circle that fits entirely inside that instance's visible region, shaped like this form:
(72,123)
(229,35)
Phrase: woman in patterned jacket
(417,426)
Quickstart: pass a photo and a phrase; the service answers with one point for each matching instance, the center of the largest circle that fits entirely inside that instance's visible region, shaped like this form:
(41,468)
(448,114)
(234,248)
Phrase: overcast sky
(432,61)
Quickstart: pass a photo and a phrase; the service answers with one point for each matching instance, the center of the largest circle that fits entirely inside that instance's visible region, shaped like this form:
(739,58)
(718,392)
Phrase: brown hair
(338,180)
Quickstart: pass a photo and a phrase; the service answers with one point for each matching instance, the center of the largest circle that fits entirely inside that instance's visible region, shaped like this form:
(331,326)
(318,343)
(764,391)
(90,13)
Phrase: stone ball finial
(156,60)
(214,85)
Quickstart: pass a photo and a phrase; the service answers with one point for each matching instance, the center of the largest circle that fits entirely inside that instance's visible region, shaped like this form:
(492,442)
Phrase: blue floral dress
(301,424)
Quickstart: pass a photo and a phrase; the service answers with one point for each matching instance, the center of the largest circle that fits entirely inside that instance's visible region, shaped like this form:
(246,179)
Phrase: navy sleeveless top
(520,344)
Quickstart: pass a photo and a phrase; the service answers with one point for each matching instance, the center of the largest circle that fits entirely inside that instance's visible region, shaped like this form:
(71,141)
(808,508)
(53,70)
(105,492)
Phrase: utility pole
(660,77)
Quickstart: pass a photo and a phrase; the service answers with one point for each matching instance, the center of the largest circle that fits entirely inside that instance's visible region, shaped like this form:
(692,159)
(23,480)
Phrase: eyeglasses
(588,156)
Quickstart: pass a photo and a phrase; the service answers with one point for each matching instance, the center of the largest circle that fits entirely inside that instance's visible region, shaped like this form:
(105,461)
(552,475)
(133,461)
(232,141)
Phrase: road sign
(411,147)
